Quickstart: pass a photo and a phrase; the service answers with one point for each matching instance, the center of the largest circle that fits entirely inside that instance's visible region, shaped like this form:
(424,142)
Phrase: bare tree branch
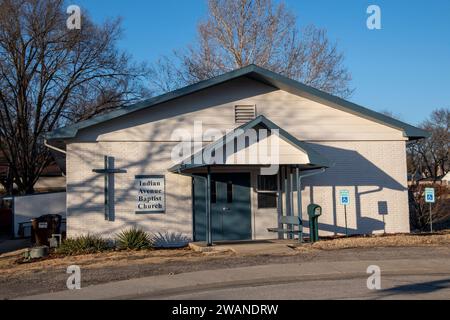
(237,33)
(51,76)
(430,158)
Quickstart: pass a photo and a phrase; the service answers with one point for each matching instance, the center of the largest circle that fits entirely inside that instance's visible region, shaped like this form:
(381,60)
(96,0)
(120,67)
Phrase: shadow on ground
(419,288)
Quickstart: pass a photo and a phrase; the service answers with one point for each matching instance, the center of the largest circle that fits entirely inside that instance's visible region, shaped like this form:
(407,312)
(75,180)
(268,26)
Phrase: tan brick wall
(374,172)
(85,209)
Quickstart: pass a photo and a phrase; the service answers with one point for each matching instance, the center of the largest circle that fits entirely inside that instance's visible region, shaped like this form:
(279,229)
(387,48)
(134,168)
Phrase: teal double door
(230,207)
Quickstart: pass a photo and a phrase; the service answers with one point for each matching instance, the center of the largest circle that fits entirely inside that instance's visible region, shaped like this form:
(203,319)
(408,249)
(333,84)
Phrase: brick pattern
(373,171)
(85,210)
(375,175)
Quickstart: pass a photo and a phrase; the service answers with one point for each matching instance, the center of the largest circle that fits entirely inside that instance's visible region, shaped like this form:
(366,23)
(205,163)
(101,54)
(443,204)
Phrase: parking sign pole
(430,198)
(345,214)
(431,220)
(344,198)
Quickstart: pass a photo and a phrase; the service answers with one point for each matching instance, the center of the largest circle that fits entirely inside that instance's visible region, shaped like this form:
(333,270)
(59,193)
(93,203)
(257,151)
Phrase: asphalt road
(420,287)
(399,279)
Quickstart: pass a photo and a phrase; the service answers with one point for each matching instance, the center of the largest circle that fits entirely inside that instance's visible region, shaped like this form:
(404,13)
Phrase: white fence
(36,205)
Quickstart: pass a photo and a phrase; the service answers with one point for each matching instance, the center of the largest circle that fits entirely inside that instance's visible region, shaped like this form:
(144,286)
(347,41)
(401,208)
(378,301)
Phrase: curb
(202,247)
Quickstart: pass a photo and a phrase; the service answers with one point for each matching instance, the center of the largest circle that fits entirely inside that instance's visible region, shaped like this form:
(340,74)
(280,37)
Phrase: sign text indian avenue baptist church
(151,194)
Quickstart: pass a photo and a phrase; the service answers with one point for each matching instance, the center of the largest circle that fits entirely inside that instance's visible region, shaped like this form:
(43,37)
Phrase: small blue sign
(429,195)
(344,197)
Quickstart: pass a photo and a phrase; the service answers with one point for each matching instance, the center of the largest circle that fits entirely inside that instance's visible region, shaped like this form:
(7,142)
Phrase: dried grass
(9,264)
(398,240)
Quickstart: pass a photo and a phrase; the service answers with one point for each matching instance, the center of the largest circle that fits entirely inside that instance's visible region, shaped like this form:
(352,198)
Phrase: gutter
(322,170)
(53,147)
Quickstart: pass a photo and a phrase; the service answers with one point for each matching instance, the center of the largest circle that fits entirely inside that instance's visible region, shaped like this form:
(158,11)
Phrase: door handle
(225,209)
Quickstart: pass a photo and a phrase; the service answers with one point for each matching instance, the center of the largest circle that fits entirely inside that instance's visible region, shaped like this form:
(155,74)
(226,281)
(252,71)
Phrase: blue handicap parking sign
(429,195)
(344,197)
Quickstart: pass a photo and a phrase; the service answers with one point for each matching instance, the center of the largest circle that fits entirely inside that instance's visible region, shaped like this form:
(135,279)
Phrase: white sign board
(344,197)
(151,194)
(42,225)
(429,195)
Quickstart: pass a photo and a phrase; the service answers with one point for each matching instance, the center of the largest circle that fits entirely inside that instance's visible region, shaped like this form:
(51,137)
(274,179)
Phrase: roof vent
(244,113)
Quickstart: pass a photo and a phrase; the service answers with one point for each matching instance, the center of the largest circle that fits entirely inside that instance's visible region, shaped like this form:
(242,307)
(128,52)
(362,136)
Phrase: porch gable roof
(316,160)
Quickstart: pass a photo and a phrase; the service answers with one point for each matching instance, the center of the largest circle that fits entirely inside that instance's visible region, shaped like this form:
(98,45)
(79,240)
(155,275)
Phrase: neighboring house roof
(434,179)
(415,177)
(316,160)
(51,170)
(256,73)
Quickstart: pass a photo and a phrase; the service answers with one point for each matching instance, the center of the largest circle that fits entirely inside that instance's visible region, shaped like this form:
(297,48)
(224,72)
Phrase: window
(267,191)
(244,113)
(267,183)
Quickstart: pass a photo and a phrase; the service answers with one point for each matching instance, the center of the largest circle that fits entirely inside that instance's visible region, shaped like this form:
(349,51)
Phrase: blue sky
(404,67)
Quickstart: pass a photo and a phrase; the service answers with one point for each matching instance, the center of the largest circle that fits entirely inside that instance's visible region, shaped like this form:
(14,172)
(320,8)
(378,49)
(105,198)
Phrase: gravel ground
(50,275)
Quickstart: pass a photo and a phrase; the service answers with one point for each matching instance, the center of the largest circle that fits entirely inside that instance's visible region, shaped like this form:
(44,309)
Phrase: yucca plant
(84,244)
(169,240)
(133,239)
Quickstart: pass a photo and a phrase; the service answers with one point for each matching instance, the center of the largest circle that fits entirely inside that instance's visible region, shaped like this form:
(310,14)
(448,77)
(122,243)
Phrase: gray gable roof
(256,73)
(315,158)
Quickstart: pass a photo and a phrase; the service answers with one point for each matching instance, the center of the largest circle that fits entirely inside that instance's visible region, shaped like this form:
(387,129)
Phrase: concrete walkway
(267,247)
(187,285)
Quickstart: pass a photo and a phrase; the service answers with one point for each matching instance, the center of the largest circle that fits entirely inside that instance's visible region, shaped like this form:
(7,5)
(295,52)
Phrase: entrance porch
(238,191)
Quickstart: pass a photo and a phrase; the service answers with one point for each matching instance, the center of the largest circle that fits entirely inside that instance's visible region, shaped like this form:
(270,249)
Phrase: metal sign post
(430,198)
(345,214)
(344,198)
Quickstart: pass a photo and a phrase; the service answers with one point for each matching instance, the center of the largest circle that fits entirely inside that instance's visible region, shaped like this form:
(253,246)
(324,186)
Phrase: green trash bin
(314,211)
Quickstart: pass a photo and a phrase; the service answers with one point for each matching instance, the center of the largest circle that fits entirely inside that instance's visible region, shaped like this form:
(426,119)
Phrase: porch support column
(299,202)
(280,201)
(286,192)
(288,188)
(208,208)
(291,197)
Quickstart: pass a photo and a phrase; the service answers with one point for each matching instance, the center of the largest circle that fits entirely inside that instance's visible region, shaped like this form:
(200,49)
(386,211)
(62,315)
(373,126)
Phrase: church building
(227,158)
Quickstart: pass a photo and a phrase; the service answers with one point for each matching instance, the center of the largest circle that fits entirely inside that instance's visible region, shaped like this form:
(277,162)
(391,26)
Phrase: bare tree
(237,33)
(6,179)
(51,76)
(430,157)
(420,210)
